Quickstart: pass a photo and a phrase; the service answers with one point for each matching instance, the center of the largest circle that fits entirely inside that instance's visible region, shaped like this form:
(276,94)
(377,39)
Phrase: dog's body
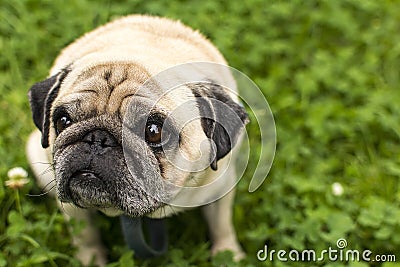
(81,111)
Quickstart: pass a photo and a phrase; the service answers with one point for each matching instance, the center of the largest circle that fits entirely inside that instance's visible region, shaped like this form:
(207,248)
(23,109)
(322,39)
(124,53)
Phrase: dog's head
(117,145)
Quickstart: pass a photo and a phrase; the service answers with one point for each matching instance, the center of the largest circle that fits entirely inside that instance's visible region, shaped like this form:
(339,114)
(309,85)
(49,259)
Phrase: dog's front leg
(219,219)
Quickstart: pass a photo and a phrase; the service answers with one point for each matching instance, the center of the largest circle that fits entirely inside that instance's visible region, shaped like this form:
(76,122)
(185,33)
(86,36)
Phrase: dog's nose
(101,138)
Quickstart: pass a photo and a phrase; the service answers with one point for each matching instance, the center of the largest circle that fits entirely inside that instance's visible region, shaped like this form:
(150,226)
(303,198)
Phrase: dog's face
(118,146)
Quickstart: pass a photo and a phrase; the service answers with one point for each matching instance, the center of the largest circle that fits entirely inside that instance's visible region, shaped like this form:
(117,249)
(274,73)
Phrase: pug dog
(139,117)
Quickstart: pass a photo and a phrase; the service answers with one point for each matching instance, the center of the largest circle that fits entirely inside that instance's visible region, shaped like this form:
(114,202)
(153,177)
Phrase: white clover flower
(17,173)
(337,189)
(17,178)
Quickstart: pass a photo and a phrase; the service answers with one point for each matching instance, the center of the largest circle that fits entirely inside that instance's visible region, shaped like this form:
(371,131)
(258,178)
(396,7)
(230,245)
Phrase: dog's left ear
(41,96)
(222,119)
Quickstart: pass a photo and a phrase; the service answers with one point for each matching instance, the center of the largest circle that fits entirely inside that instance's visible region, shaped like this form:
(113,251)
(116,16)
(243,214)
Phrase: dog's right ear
(41,96)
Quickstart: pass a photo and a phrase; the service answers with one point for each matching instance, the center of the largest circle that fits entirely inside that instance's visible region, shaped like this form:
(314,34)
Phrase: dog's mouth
(86,189)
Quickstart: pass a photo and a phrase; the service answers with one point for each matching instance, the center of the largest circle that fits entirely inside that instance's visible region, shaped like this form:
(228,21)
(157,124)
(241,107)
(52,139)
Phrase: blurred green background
(330,71)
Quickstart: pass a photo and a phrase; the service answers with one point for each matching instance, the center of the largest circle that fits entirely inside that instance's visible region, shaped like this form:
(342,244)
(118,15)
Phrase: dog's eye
(159,132)
(153,134)
(62,123)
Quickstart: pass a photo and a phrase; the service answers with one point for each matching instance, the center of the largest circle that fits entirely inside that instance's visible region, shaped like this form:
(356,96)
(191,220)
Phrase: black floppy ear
(222,119)
(41,96)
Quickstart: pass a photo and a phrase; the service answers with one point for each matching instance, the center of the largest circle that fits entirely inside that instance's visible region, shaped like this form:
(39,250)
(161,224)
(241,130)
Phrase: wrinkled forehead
(110,84)
(120,87)
(106,81)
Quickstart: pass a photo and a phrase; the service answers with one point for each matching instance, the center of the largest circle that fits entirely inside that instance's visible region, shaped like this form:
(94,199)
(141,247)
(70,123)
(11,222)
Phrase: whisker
(46,171)
(41,162)
(52,181)
(41,194)
(44,193)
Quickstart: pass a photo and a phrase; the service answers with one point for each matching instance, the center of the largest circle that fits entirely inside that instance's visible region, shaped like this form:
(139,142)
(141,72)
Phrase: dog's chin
(86,189)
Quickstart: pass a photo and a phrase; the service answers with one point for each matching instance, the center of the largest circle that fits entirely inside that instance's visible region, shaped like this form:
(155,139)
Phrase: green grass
(330,71)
